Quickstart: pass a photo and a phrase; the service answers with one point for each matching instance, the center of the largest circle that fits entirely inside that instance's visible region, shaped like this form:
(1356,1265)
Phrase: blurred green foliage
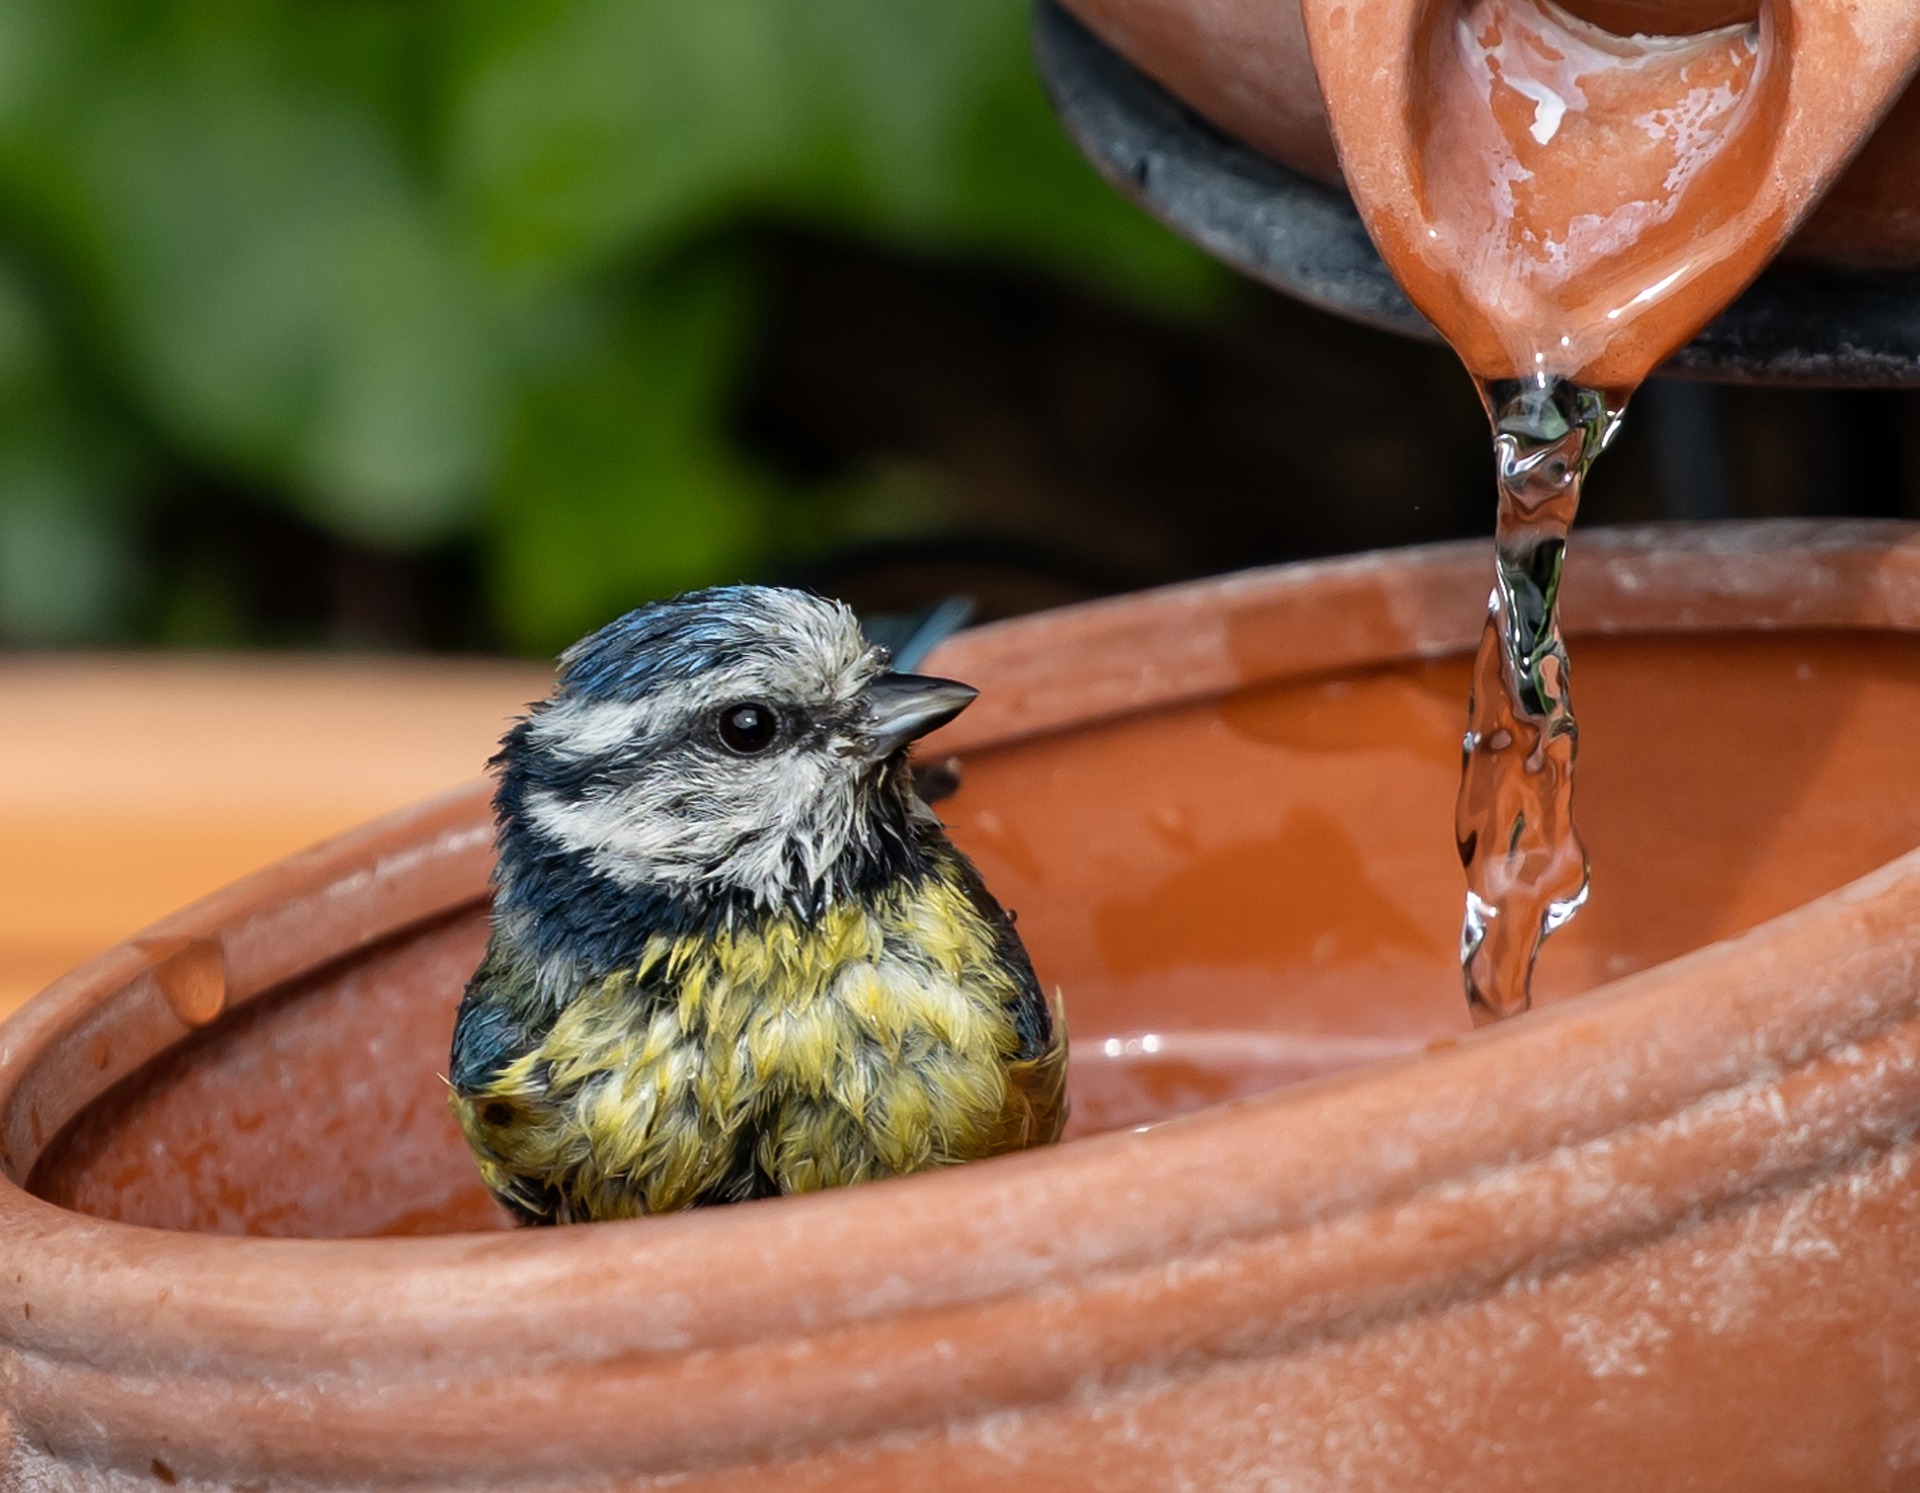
(424,269)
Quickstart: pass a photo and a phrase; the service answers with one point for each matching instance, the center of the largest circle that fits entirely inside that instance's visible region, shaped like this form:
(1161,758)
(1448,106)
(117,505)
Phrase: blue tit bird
(733,955)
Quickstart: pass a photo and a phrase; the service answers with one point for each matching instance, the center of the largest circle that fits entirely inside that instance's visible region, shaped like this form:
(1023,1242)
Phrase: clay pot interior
(1240,874)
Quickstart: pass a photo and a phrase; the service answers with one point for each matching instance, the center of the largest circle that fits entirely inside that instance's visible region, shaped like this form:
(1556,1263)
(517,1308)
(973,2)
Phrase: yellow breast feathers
(879,1039)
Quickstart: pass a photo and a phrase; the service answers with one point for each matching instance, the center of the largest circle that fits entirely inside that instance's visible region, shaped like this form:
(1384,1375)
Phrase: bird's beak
(900,708)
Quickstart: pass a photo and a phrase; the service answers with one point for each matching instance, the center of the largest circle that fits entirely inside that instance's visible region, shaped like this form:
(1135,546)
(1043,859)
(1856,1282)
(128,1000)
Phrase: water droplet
(191,974)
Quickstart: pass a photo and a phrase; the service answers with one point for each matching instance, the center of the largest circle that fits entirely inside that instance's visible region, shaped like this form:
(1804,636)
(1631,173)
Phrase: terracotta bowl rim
(993,1232)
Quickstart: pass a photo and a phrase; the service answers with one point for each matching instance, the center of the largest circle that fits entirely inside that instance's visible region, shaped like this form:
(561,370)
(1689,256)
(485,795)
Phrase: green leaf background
(476,268)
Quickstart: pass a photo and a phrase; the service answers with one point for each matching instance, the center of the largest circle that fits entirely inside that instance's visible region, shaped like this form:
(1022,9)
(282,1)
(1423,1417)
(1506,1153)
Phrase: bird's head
(742,745)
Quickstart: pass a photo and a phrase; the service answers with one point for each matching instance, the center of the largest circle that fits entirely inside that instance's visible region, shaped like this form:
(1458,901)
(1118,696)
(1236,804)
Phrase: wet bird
(733,955)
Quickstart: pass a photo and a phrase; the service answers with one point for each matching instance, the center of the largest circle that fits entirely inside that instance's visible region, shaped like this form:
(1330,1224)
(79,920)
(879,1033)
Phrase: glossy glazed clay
(1665,1233)
(1247,67)
(1557,198)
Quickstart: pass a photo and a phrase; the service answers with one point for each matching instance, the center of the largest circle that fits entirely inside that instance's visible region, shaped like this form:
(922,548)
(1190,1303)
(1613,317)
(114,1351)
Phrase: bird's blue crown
(686,637)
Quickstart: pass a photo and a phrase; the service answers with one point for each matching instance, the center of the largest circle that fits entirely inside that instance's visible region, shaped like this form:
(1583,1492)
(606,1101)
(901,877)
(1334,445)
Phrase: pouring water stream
(1526,867)
(1567,205)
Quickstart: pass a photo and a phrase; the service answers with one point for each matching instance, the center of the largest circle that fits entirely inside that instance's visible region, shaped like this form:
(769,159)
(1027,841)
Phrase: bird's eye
(748,728)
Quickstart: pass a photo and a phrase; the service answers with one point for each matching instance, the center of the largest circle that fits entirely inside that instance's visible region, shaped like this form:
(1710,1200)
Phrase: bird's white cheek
(792,826)
(819,829)
(773,824)
(746,830)
(628,841)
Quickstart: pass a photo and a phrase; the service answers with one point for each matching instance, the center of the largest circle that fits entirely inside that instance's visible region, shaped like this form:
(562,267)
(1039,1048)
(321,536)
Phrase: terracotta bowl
(1245,66)
(1663,1233)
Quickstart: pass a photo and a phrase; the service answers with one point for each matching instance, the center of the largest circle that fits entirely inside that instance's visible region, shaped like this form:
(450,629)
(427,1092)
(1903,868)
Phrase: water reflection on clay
(1575,175)
(1208,860)
(1568,205)
(1285,872)
(191,977)
(1142,1078)
(1665,103)
(1222,905)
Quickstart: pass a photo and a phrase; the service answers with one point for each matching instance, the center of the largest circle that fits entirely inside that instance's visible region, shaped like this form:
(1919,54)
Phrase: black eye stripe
(748,727)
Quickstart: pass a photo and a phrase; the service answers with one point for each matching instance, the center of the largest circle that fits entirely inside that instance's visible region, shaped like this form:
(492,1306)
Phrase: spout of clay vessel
(1247,69)
(1559,197)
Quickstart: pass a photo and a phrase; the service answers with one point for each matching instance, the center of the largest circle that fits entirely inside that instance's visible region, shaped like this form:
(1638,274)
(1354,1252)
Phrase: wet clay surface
(1233,895)
(1560,198)
(1246,69)
(1294,877)
(1572,179)
(320,1109)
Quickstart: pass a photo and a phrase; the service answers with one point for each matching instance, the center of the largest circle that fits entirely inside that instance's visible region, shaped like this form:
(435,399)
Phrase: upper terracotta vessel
(1817,76)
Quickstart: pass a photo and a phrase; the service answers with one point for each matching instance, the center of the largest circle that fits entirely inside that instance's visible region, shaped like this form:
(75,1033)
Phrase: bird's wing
(1032,1015)
(1039,1071)
(492,1031)
(910,636)
(492,1027)
(1040,1085)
